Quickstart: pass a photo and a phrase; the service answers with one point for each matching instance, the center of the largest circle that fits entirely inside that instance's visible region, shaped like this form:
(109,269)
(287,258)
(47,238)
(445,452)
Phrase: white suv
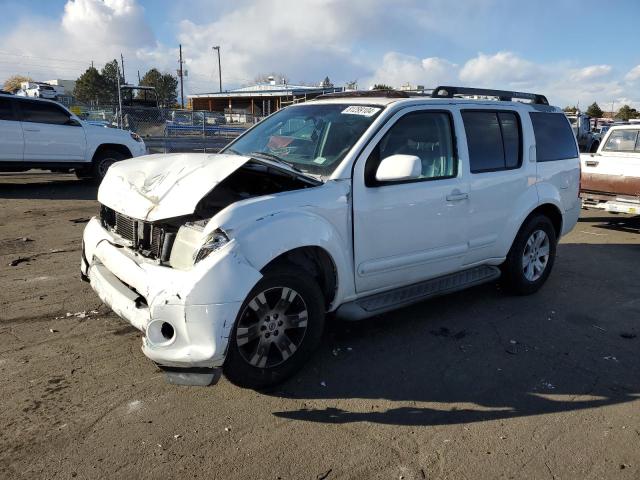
(37,133)
(356,203)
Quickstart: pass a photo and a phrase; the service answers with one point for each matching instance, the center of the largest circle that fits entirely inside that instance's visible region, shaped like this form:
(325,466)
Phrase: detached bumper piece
(199,377)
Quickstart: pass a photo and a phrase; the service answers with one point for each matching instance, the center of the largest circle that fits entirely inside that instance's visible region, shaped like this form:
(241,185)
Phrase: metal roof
(269,90)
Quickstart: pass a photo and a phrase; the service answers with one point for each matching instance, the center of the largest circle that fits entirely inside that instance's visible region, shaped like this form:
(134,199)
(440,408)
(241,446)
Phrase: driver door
(409,231)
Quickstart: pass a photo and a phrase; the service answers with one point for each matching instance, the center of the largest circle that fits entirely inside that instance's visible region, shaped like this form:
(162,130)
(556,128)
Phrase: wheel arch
(118,147)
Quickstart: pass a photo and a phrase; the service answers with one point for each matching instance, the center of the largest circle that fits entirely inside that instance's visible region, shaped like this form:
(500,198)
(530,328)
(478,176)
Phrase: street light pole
(217,48)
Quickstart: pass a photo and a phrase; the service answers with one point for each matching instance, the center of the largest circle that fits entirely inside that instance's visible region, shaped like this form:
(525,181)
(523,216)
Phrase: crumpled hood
(155,187)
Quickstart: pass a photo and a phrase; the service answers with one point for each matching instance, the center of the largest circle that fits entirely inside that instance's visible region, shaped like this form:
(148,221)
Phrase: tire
(102,161)
(262,350)
(531,257)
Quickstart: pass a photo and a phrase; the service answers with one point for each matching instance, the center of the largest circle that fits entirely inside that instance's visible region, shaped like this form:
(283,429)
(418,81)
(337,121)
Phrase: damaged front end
(157,259)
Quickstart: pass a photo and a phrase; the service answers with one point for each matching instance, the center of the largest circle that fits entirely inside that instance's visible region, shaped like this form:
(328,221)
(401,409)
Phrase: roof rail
(503,95)
(365,94)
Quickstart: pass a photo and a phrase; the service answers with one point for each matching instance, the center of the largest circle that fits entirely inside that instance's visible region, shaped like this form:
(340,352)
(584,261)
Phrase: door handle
(591,163)
(456,196)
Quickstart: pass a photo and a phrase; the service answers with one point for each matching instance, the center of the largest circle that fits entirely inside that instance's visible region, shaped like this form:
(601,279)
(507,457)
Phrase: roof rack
(502,95)
(365,94)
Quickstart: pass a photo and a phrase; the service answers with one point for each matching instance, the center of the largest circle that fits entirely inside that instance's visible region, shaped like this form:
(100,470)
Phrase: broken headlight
(213,242)
(190,246)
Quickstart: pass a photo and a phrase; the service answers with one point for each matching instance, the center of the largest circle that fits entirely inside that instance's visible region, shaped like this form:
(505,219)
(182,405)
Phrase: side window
(6,111)
(622,141)
(43,112)
(554,137)
(493,139)
(427,135)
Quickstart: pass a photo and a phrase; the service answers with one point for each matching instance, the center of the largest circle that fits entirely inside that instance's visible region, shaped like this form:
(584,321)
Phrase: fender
(287,230)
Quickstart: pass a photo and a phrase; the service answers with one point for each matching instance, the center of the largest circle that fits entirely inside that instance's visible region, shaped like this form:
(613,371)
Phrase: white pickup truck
(37,133)
(611,177)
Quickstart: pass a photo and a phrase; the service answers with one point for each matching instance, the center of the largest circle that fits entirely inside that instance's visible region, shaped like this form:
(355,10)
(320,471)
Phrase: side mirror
(399,167)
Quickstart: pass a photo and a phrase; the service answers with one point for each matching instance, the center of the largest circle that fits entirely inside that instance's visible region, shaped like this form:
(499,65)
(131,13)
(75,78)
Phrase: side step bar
(404,296)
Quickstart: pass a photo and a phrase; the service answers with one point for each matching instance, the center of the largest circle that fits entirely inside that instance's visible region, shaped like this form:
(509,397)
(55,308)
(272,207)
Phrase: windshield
(311,138)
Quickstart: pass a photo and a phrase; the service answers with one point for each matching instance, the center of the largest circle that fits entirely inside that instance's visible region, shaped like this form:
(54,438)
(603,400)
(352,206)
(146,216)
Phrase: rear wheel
(278,327)
(531,257)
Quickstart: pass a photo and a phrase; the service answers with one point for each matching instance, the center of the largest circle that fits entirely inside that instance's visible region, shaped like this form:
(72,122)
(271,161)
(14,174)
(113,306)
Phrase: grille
(151,240)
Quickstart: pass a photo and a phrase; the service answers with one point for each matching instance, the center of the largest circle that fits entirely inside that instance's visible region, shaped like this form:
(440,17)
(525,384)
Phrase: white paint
(404,233)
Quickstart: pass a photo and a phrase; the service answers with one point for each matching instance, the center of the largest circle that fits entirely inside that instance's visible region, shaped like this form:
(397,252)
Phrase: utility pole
(138,77)
(124,80)
(217,48)
(180,74)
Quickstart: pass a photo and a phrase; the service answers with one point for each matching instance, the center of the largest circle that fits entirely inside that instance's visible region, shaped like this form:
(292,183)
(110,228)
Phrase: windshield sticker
(361,110)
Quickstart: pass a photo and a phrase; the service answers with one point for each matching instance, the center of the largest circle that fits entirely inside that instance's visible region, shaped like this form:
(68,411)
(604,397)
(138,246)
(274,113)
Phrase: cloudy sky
(570,53)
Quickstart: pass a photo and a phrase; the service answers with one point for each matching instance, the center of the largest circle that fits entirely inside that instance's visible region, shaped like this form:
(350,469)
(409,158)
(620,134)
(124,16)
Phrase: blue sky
(572,51)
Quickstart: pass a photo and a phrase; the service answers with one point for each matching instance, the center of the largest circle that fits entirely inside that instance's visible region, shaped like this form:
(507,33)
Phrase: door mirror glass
(398,168)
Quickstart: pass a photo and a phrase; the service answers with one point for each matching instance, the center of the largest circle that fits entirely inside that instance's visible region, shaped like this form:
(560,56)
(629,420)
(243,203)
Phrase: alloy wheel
(272,327)
(536,255)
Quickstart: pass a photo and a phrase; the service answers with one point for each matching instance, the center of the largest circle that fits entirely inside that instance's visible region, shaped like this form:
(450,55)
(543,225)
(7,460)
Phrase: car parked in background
(356,203)
(36,133)
(611,176)
(37,90)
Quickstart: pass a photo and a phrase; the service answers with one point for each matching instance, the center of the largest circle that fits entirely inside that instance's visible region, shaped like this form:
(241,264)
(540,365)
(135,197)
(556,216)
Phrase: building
(247,103)
(64,87)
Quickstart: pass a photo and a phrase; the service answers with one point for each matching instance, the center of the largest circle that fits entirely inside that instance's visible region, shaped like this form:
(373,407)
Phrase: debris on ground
(25,239)
(610,357)
(79,220)
(628,335)
(599,327)
(19,260)
(324,475)
(323,384)
(53,330)
(177,436)
(227,429)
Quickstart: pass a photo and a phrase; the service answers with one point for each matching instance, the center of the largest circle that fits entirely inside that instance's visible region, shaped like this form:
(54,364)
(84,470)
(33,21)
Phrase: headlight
(213,242)
(136,137)
(190,246)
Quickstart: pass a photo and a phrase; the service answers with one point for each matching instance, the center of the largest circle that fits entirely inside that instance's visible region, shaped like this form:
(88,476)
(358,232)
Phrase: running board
(404,296)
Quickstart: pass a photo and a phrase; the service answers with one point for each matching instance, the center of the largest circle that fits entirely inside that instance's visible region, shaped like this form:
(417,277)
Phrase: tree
(110,73)
(12,84)
(594,110)
(382,86)
(626,112)
(166,86)
(570,109)
(91,87)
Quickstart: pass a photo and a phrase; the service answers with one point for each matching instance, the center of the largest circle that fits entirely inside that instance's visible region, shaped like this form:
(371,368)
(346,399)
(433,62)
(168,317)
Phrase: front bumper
(199,306)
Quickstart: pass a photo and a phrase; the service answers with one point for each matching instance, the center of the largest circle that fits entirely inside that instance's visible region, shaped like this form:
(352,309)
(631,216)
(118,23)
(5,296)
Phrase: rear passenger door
(496,175)
(50,133)
(11,137)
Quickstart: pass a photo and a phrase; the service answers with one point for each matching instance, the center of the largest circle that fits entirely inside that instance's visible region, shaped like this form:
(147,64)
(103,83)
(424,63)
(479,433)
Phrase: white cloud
(500,69)
(633,75)
(398,69)
(591,72)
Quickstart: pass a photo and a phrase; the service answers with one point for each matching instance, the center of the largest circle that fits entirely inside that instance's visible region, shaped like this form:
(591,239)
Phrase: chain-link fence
(167,130)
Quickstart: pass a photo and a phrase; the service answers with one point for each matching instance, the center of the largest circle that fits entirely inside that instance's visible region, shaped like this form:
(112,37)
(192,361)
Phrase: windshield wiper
(277,159)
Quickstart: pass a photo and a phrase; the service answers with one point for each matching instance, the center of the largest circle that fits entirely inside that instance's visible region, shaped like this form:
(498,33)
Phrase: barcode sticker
(361,110)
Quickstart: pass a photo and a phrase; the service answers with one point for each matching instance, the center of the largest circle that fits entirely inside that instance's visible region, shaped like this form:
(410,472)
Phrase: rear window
(6,113)
(493,139)
(623,141)
(554,137)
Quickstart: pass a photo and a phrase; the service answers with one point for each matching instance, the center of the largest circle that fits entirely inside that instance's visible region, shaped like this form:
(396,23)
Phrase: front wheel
(278,327)
(531,257)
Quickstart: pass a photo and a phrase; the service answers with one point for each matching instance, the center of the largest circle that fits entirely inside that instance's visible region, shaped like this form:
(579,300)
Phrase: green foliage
(382,86)
(12,84)
(626,113)
(594,110)
(91,87)
(110,73)
(166,86)
(569,109)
